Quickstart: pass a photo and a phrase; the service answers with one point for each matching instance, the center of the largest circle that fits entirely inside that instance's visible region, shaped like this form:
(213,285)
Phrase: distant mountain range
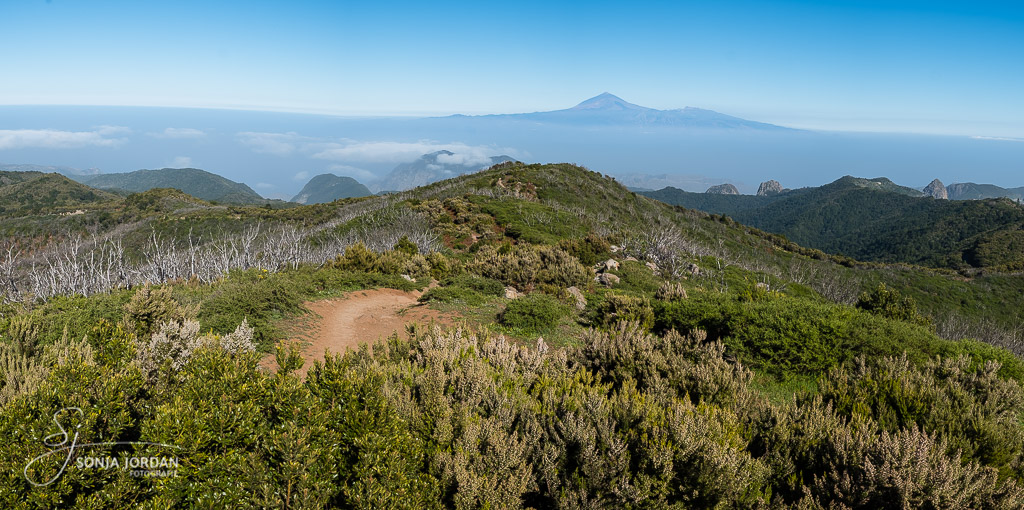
(193,181)
(63,170)
(326,188)
(610,110)
(876,220)
(972,191)
(434,167)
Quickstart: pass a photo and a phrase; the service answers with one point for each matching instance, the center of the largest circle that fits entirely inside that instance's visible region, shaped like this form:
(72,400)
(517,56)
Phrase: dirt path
(363,316)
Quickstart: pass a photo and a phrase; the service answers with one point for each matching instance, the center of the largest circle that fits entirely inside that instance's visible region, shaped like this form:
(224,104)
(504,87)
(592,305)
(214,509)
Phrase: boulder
(608,265)
(511,293)
(723,189)
(607,279)
(768,188)
(693,269)
(653,267)
(580,301)
(936,190)
(407,277)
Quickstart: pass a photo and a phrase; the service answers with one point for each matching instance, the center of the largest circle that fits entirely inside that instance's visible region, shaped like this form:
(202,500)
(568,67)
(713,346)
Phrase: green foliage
(792,336)
(533,313)
(875,220)
(890,303)
(485,286)
(247,297)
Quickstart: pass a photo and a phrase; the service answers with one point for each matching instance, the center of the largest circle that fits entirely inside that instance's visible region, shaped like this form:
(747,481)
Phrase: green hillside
(654,356)
(26,193)
(875,220)
(195,182)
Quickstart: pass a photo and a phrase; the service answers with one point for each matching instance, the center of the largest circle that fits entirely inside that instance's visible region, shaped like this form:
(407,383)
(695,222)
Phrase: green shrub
(453,295)
(890,303)
(533,313)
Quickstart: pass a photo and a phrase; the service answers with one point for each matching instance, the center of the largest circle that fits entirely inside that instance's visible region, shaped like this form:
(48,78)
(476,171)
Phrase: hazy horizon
(270,94)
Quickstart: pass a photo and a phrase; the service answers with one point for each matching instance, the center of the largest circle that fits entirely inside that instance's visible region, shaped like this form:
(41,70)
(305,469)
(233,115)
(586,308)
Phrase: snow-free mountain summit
(607,109)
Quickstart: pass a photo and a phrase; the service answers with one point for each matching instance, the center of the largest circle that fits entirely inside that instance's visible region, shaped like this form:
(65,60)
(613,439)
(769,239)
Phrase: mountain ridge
(326,188)
(193,181)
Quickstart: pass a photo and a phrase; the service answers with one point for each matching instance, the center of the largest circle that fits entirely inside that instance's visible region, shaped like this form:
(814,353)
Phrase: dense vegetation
(195,182)
(879,222)
(614,352)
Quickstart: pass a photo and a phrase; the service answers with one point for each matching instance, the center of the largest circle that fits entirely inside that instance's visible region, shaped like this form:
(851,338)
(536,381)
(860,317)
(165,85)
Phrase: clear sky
(929,66)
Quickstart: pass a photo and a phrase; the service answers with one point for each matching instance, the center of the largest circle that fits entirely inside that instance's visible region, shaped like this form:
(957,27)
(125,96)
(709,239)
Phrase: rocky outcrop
(723,189)
(579,300)
(768,188)
(936,190)
(606,279)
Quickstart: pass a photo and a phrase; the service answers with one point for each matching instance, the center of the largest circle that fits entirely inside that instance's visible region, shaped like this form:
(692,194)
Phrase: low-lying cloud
(402,152)
(180,133)
(359,174)
(103,136)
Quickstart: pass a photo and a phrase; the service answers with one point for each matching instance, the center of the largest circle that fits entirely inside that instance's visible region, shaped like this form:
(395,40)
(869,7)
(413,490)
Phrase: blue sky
(927,67)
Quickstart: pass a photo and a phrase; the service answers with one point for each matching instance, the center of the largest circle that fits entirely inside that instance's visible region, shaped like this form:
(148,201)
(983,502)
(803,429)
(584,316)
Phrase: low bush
(533,313)
(613,308)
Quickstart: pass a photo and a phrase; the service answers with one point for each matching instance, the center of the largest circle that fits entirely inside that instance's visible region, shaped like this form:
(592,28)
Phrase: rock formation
(767,188)
(723,189)
(936,190)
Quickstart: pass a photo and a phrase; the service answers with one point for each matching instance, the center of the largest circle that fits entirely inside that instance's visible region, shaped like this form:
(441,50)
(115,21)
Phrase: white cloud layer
(277,144)
(402,152)
(102,136)
(358,174)
(301,176)
(352,152)
(181,162)
(180,133)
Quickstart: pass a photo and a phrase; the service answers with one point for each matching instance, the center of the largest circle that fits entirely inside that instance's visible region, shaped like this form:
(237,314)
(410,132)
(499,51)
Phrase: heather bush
(612,308)
(974,412)
(525,266)
(671,291)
